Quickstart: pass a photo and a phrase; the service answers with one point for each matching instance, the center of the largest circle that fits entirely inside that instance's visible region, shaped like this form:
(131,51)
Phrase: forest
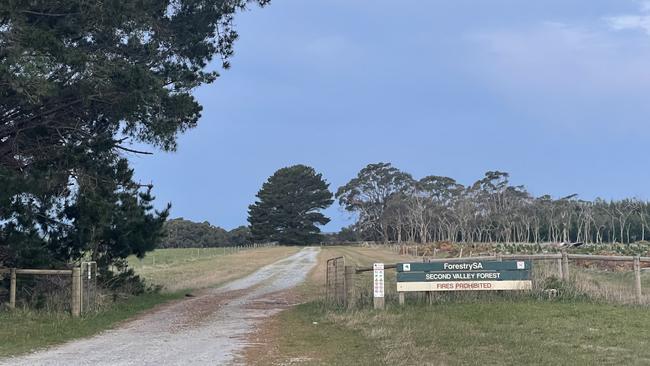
(181,233)
(392,206)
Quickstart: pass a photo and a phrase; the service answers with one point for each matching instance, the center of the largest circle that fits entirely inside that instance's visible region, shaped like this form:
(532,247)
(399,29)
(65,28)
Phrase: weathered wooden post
(637,278)
(400,296)
(76,292)
(559,268)
(12,289)
(565,265)
(350,295)
(499,257)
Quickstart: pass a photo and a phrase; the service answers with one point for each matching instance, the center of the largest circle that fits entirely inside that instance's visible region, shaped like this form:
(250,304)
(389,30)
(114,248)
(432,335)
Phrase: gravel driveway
(209,329)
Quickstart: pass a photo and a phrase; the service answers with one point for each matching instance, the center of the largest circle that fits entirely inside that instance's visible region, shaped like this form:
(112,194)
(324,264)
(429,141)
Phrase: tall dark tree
(288,207)
(79,82)
(91,73)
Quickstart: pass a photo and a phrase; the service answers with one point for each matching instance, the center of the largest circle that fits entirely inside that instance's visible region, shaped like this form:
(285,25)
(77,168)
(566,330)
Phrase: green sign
(464,276)
(464,266)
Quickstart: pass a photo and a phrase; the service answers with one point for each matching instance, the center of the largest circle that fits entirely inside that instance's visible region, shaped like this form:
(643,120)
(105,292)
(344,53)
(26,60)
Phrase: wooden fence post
(559,268)
(637,278)
(350,295)
(76,292)
(12,289)
(565,265)
(400,295)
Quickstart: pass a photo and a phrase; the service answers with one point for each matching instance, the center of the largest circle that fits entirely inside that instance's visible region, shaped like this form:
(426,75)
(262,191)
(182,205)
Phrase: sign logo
(521,265)
(406,267)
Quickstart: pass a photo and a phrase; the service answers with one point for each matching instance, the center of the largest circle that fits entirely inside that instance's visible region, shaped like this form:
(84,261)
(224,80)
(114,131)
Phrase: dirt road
(209,329)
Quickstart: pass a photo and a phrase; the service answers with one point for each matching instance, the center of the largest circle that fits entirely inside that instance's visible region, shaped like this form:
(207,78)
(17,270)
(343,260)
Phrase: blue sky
(555,92)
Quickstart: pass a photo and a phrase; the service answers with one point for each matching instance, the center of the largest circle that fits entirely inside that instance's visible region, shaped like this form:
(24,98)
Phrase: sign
(378,273)
(464,276)
(464,266)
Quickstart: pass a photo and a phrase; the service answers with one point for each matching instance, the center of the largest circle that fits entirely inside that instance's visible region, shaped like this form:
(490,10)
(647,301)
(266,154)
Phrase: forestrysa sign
(466,276)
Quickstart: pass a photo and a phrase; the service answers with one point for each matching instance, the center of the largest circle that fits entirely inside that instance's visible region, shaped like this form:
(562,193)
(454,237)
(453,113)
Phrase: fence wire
(611,281)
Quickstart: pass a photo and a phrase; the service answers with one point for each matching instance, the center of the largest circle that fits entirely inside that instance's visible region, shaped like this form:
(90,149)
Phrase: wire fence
(613,279)
(73,290)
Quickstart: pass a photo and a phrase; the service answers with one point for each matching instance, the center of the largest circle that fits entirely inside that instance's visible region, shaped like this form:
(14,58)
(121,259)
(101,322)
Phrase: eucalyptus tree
(369,193)
(438,208)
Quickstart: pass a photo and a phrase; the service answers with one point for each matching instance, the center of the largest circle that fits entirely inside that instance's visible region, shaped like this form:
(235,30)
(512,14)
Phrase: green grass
(26,330)
(323,343)
(491,332)
(469,328)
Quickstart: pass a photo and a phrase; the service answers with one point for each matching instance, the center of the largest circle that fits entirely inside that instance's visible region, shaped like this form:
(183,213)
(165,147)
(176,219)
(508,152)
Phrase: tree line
(181,233)
(392,206)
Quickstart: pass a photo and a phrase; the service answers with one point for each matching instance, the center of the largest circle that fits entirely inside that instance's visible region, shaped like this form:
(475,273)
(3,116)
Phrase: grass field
(177,270)
(487,329)
(180,269)
(498,332)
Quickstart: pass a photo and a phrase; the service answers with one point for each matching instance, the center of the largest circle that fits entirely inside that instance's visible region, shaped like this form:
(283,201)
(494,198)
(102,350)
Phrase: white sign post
(378,285)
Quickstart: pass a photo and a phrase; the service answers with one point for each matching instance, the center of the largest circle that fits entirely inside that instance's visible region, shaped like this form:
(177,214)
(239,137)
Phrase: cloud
(580,77)
(564,59)
(624,22)
(632,21)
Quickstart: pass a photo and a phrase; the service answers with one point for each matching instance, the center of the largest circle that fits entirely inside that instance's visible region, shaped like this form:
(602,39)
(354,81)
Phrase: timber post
(565,265)
(76,292)
(350,296)
(637,278)
(559,268)
(378,303)
(429,297)
(12,289)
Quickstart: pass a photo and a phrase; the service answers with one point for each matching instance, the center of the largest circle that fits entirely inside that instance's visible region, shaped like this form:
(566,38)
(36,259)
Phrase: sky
(555,92)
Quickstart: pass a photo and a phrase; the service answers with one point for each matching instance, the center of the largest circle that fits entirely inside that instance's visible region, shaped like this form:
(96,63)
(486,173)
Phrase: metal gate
(335,280)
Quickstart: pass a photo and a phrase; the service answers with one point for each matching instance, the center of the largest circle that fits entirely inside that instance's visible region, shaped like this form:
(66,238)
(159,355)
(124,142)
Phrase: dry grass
(209,271)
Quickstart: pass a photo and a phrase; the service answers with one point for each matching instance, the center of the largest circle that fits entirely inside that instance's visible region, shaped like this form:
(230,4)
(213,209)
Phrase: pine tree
(288,205)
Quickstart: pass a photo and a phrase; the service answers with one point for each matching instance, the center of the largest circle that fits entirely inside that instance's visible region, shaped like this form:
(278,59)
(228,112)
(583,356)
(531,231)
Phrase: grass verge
(25,330)
(495,332)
